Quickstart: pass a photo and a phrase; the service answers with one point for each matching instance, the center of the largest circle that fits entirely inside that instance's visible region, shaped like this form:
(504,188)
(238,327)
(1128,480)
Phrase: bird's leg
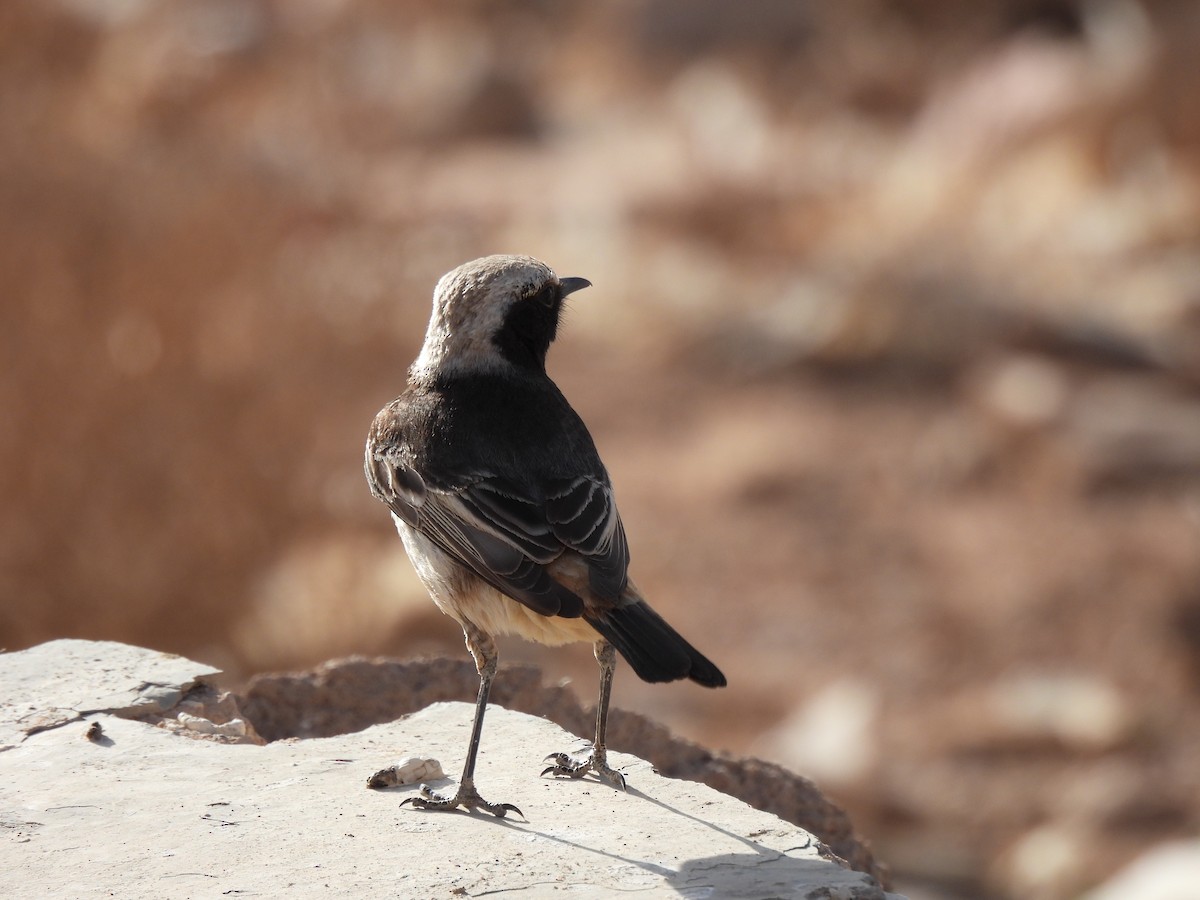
(597,760)
(483,648)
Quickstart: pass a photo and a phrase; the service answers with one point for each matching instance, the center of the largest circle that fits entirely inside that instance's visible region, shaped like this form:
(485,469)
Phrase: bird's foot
(466,797)
(596,761)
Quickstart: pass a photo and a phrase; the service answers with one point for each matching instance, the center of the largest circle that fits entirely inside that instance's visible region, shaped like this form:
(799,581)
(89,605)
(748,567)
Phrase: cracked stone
(61,681)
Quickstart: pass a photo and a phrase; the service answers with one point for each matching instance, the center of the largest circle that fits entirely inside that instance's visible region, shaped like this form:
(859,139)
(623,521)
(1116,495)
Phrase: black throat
(528,330)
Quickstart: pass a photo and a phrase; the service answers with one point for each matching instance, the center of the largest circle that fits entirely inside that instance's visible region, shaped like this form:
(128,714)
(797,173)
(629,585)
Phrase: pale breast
(497,614)
(464,597)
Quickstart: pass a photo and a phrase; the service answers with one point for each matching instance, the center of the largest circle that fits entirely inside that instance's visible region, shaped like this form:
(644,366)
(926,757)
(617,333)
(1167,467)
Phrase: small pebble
(232,728)
(408,771)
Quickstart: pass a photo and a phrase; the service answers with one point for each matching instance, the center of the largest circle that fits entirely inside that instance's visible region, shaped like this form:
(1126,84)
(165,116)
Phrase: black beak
(571,285)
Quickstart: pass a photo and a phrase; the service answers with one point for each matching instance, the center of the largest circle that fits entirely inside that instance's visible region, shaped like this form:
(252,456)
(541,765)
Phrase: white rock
(833,737)
(1168,872)
(150,813)
(410,770)
(1045,862)
(233,728)
(62,681)
(1080,710)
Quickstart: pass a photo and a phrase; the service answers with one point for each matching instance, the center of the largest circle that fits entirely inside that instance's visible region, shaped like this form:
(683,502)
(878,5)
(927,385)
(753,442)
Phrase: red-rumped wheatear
(503,504)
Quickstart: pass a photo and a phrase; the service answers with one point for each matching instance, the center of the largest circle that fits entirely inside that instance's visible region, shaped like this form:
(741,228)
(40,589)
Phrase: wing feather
(510,534)
(584,517)
(495,559)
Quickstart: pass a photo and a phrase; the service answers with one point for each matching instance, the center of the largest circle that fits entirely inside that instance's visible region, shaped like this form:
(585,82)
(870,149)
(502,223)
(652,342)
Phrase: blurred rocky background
(893,354)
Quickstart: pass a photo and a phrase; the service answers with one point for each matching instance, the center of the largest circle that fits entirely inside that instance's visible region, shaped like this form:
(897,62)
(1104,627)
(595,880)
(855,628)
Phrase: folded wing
(509,534)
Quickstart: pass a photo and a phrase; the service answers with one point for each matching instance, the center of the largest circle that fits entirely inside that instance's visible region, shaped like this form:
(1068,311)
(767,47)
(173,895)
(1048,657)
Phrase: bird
(504,506)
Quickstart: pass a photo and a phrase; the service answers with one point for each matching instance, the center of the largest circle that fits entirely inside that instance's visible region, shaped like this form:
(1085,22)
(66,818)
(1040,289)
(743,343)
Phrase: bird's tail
(654,649)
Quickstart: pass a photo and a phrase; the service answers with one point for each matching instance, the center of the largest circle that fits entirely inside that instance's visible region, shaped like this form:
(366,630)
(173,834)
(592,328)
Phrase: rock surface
(147,810)
(64,681)
(353,694)
(1168,872)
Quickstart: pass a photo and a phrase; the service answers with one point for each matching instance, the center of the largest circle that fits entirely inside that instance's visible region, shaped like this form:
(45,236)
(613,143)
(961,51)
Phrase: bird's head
(493,313)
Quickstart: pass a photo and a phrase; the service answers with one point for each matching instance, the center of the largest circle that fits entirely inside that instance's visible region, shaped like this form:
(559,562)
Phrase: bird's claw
(577,768)
(564,765)
(467,798)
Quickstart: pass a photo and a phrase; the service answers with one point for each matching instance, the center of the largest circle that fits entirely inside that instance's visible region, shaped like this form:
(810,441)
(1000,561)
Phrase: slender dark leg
(607,657)
(597,760)
(484,650)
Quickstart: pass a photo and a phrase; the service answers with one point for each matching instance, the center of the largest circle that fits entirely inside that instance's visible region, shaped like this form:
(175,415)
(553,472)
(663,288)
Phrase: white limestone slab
(61,681)
(153,813)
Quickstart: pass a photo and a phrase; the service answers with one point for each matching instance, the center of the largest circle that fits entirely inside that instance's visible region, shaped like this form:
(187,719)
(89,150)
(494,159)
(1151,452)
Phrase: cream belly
(464,597)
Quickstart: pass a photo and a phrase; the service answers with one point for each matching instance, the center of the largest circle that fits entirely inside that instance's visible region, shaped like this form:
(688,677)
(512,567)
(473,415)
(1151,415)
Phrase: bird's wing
(582,514)
(510,536)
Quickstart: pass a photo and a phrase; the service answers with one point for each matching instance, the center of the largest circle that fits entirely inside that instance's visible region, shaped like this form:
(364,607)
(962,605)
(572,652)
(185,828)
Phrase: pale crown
(470,304)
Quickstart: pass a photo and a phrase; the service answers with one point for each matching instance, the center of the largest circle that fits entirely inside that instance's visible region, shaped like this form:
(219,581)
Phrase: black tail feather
(654,649)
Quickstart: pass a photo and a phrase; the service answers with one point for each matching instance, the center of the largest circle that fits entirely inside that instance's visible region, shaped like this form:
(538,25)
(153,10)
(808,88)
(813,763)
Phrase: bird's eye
(546,295)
